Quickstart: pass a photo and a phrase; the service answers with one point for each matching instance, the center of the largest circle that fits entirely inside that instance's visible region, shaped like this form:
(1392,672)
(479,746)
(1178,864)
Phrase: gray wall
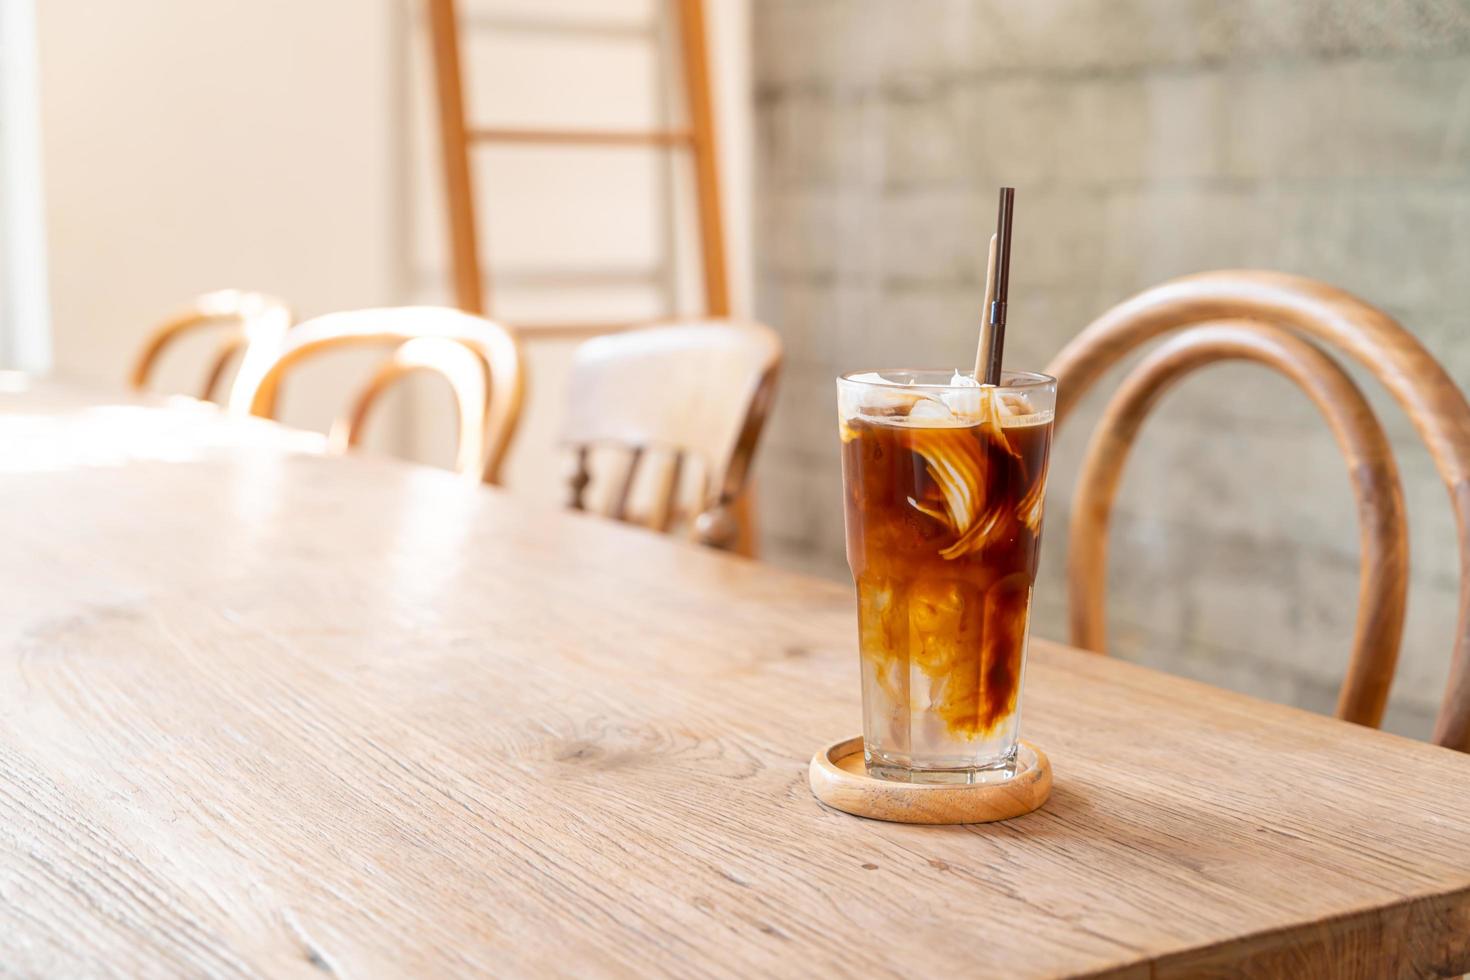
(1147,138)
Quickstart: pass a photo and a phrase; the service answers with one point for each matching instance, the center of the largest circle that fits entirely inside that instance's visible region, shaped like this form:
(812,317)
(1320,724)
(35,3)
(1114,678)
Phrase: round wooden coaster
(839,779)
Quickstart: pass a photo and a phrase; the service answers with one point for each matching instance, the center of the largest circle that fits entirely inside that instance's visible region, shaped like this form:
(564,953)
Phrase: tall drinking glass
(944,482)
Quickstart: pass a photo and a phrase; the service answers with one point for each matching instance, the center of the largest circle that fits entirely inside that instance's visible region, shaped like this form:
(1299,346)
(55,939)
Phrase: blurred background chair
(478,358)
(1273,306)
(663,422)
(238,317)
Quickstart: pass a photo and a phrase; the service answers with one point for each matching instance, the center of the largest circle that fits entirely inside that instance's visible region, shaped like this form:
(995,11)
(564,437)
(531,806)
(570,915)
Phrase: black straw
(997,311)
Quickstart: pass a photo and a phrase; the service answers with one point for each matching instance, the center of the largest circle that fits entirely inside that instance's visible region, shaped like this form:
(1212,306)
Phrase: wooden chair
(1265,313)
(479,359)
(249,317)
(696,391)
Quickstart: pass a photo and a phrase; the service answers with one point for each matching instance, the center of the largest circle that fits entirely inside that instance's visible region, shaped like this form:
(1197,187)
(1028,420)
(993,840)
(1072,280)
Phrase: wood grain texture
(270,712)
(664,395)
(838,777)
(242,317)
(1429,396)
(488,394)
(1383,583)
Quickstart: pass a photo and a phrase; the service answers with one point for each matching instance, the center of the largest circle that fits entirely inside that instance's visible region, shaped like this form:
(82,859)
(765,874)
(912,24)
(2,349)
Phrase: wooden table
(264,712)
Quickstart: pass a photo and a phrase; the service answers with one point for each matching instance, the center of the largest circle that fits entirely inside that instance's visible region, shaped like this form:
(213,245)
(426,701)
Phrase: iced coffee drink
(944,482)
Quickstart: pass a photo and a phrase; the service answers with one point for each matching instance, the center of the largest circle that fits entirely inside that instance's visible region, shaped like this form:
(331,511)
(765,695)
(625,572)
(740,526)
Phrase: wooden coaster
(839,779)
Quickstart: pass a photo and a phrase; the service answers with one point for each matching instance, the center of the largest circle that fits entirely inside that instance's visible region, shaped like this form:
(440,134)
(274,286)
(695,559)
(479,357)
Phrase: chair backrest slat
(670,496)
(620,503)
(580,478)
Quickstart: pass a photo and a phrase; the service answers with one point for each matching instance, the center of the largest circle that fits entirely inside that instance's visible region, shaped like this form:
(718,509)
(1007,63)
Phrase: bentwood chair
(478,358)
(1269,318)
(243,318)
(675,411)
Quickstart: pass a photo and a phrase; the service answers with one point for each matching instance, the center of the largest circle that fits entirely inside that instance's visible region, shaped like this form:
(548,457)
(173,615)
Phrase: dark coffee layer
(943,534)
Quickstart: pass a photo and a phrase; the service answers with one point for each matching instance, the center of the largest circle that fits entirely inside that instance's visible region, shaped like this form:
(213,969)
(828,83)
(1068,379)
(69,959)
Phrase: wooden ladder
(458,136)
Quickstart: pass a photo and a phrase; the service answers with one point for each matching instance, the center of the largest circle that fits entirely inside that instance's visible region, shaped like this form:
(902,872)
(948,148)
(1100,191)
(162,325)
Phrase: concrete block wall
(1147,139)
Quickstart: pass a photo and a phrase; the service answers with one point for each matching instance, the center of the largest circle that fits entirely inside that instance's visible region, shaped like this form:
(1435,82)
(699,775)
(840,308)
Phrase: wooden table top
(264,712)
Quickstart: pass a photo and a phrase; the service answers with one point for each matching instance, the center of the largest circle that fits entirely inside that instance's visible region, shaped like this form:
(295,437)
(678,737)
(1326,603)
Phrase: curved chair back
(250,318)
(1277,306)
(698,391)
(479,359)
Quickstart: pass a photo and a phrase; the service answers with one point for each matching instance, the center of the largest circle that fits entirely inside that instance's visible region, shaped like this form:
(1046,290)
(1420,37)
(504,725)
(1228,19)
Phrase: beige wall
(191,145)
